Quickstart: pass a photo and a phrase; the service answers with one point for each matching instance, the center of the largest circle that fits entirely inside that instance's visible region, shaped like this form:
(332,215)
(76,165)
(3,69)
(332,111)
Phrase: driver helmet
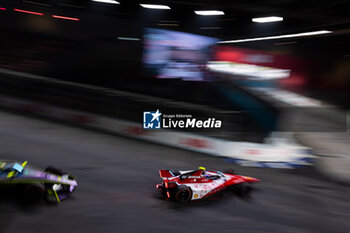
(204,173)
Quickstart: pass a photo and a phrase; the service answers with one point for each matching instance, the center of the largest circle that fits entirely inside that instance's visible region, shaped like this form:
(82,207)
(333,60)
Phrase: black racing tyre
(183,194)
(32,194)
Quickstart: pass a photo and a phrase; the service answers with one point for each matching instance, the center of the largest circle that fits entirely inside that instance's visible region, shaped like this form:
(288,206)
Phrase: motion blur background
(86,70)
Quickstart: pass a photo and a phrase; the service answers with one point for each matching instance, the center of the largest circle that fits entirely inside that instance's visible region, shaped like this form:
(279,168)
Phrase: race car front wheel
(183,194)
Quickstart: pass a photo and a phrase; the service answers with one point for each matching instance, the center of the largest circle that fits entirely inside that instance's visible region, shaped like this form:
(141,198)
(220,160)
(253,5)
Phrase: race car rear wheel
(183,194)
(32,194)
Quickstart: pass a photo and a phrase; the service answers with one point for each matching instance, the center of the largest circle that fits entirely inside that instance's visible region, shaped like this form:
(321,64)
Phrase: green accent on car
(53,193)
(11,174)
(24,163)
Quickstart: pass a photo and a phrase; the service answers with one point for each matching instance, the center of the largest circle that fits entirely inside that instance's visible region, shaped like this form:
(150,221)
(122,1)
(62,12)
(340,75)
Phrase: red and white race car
(185,186)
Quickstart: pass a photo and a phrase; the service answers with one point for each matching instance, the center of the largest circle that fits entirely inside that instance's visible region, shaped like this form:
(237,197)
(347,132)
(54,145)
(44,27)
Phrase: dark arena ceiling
(128,18)
(298,14)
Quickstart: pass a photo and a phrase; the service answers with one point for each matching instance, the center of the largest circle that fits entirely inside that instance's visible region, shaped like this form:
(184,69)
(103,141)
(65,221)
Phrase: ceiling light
(168,24)
(158,7)
(168,21)
(107,1)
(36,3)
(286,43)
(277,37)
(267,19)
(209,12)
(73,6)
(28,12)
(128,38)
(64,17)
(210,28)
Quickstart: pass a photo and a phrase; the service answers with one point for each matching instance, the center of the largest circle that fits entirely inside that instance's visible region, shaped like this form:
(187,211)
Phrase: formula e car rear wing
(165,174)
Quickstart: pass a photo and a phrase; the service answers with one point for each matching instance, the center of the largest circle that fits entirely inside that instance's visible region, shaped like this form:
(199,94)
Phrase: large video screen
(177,55)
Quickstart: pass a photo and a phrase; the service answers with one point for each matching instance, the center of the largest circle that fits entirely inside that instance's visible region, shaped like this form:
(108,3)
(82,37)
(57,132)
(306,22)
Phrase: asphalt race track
(116,192)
